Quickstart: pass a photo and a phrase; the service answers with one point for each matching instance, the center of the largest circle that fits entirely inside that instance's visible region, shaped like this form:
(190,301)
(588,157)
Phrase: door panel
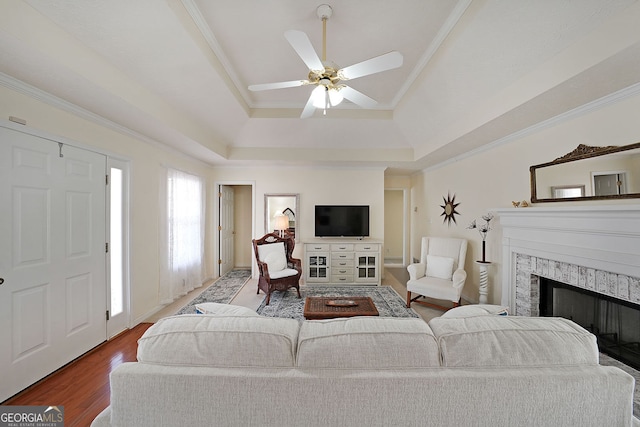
(78,303)
(30,327)
(31,212)
(52,257)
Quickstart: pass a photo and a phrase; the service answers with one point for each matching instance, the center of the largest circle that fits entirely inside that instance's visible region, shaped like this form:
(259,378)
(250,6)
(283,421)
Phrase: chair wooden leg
(298,289)
(417,300)
(268,298)
(408,299)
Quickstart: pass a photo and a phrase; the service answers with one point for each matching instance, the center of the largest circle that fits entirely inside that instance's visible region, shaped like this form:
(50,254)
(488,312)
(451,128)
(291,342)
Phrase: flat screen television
(342,221)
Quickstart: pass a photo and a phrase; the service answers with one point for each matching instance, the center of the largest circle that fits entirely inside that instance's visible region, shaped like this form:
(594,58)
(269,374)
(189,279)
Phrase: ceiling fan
(326,76)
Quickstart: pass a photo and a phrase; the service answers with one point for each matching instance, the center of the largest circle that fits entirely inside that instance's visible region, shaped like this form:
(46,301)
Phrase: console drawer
(342,255)
(341,271)
(342,247)
(366,247)
(341,278)
(317,247)
(341,263)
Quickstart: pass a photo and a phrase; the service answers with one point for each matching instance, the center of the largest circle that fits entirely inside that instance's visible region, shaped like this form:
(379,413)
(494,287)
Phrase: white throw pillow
(274,255)
(440,267)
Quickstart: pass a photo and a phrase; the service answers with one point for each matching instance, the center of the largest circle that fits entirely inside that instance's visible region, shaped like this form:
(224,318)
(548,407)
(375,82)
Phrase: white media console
(342,261)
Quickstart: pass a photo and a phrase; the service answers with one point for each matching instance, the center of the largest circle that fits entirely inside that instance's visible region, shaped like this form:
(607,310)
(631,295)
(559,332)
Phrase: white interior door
(226,234)
(52,257)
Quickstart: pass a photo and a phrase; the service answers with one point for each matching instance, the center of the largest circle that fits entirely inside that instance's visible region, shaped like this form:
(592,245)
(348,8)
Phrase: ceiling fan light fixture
(327,76)
(319,96)
(335,97)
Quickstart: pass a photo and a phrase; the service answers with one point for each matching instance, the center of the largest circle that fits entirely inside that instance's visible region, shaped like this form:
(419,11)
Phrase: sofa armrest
(459,277)
(416,271)
(103,419)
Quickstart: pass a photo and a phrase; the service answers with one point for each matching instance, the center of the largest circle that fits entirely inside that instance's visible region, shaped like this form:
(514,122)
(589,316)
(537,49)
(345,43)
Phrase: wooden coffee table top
(316,308)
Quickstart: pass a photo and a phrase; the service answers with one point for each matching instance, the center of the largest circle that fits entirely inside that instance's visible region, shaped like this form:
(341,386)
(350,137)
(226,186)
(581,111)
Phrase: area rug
(287,304)
(222,290)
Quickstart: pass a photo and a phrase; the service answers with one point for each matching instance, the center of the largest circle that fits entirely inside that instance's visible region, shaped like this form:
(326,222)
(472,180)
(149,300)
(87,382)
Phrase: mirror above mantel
(588,173)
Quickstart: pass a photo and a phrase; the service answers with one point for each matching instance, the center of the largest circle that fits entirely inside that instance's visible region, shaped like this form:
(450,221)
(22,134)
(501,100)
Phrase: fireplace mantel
(600,238)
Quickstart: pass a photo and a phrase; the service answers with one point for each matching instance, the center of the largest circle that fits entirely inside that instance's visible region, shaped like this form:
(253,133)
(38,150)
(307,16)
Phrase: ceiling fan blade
(279,85)
(303,47)
(358,98)
(385,62)
(309,109)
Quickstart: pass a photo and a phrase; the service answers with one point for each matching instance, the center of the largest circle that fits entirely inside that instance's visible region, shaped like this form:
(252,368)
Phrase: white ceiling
(176,72)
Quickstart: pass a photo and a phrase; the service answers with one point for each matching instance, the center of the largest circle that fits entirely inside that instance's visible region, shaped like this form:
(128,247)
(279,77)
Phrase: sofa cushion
(500,341)
(476,310)
(230,341)
(287,272)
(440,267)
(273,254)
(218,309)
(367,343)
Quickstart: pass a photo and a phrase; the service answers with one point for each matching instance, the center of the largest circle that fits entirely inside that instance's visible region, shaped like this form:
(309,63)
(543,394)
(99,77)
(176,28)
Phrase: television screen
(342,221)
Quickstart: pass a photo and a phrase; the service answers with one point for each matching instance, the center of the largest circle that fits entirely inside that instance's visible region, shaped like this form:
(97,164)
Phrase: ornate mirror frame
(585,152)
(287,204)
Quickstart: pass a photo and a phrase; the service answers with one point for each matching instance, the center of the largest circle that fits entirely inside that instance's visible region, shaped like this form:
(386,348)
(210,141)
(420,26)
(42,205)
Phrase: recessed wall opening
(615,323)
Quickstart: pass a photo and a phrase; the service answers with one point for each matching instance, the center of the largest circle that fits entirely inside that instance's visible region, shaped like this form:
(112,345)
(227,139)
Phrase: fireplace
(588,251)
(615,323)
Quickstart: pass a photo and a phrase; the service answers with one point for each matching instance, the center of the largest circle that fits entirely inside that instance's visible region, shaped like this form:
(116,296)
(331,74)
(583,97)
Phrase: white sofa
(473,371)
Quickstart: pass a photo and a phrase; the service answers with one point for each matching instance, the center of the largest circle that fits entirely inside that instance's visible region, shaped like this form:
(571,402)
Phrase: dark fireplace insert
(616,323)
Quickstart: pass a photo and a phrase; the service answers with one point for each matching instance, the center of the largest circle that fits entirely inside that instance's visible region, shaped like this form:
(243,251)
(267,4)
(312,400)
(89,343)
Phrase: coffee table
(316,308)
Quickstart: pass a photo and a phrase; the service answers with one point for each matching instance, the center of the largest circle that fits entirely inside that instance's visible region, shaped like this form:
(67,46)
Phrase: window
(116,233)
(182,233)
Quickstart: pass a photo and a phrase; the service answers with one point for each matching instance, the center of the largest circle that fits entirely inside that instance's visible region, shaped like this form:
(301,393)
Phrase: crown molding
(59,103)
(443,33)
(205,30)
(599,103)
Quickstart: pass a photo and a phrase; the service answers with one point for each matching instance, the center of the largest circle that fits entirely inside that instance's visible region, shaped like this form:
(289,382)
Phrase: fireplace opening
(614,322)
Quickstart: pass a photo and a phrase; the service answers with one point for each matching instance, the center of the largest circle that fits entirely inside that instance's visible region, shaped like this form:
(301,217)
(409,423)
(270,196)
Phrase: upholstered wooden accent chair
(440,273)
(278,269)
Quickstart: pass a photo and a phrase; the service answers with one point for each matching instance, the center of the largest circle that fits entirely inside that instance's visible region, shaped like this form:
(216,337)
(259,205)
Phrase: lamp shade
(281,222)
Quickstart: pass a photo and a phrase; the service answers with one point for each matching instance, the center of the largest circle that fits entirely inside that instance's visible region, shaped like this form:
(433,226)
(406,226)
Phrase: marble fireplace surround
(591,247)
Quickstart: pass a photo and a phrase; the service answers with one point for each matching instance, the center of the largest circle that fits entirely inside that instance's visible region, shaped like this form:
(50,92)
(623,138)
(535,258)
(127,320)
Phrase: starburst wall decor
(449,209)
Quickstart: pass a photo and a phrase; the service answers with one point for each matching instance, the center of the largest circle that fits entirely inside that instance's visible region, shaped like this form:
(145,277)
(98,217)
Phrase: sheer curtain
(181,234)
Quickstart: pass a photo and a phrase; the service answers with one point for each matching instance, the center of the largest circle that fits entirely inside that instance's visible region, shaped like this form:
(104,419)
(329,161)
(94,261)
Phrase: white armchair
(440,273)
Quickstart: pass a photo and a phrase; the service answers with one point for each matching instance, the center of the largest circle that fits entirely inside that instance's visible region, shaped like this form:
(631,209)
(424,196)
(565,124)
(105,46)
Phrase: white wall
(243,213)
(316,186)
(494,178)
(146,161)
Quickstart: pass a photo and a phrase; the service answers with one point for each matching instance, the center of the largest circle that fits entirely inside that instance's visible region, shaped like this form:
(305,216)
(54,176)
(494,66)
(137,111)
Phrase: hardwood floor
(82,386)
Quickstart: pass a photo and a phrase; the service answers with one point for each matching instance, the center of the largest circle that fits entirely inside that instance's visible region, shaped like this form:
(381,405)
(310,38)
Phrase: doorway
(395,227)
(235,219)
(609,183)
